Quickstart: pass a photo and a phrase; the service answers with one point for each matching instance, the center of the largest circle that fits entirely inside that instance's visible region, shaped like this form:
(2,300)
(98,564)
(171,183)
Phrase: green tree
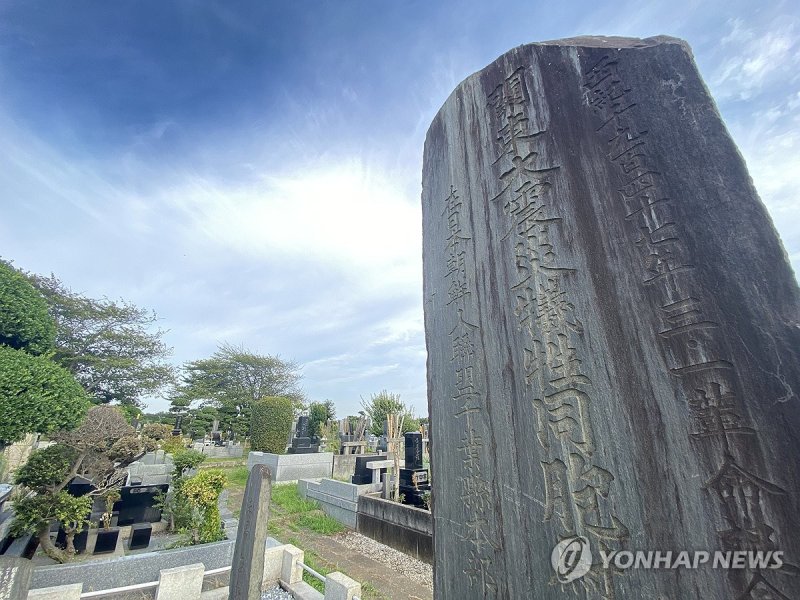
(384,403)
(99,450)
(272,423)
(24,321)
(319,413)
(111,347)
(233,378)
(36,396)
(33,514)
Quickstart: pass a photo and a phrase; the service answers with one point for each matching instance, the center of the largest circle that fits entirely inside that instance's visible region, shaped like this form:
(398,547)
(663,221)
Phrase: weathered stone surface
(612,330)
(251,538)
(15,578)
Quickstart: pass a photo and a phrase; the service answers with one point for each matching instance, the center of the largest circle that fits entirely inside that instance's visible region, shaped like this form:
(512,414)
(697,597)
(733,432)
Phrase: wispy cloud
(756,58)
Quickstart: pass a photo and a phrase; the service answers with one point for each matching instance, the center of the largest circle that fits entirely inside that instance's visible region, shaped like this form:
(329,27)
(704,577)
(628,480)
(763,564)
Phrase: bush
(24,320)
(202,492)
(46,467)
(185,460)
(271,423)
(36,396)
(319,413)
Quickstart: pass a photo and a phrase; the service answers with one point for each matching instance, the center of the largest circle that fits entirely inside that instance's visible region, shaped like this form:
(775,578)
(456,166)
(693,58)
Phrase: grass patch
(288,498)
(318,522)
(312,560)
(237,476)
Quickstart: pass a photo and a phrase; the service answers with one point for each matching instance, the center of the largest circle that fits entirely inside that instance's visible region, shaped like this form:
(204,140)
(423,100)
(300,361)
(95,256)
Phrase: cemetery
(612,336)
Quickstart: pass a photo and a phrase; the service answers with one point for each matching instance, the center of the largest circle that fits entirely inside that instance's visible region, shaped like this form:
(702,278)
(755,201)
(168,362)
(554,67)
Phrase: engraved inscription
(690,336)
(577,490)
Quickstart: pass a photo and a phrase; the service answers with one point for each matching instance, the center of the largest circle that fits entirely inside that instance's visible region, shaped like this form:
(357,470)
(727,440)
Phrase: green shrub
(271,423)
(46,467)
(36,396)
(24,320)
(202,492)
(186,460)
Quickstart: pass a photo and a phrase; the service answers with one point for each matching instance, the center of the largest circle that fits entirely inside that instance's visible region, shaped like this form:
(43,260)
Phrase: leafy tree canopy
(233,378)
(24,321)
(384,403)
(320,413)
(110,346)
(36,396)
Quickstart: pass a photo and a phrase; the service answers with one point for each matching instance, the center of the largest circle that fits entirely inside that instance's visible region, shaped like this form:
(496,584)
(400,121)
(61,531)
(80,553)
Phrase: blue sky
(251,170)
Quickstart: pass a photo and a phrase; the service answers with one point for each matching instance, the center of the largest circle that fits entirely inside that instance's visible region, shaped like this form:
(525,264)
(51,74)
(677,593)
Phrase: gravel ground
(410,567)
(276,593)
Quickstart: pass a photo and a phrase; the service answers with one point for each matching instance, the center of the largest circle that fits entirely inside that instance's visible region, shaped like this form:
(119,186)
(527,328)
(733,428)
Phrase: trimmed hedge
(271,419)
(36,396)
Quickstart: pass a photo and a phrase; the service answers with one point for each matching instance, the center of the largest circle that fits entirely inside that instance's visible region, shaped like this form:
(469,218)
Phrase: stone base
(291,467)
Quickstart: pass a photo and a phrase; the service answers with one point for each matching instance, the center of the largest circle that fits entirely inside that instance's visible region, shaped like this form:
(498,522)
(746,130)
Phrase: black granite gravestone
(362,474)
(106,540)
(15,578)
(140,536)
(413,447)
(303,443)
(251,536)
(137,504)
(79,541)
(414,481)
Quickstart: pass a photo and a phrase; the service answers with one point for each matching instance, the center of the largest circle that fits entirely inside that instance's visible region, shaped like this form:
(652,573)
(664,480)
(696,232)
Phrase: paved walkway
(388,583)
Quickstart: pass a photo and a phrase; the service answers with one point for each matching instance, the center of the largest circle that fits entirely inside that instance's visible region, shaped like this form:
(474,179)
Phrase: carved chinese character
(591,484)
(557,496)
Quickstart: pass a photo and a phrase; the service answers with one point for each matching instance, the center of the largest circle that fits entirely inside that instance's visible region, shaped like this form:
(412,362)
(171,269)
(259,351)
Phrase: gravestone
(414,482)
(247,569)
(140,536)
(361,474)
(413,449)
(176,431)
(612,332)
(303,442)
(15,578)
(138,504)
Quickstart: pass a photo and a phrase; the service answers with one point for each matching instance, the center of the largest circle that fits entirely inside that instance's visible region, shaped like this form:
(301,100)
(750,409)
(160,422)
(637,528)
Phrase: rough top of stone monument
(583,41)
(614,41)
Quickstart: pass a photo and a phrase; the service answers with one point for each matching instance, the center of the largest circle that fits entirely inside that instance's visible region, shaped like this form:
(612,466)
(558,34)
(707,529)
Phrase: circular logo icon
(571,558)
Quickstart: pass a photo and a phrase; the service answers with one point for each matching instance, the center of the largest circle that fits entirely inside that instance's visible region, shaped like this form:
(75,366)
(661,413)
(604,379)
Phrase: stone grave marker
(15,578)
(414,482)
(612,332)
(251,537)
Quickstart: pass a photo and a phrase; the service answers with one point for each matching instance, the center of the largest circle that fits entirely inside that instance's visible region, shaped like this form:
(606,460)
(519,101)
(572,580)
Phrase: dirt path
(377,579)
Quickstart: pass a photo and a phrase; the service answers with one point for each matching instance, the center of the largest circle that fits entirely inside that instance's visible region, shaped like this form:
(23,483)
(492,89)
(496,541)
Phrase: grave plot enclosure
(612,331)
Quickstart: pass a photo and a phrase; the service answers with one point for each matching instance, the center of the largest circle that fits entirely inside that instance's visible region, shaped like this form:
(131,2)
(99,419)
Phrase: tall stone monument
(613,335)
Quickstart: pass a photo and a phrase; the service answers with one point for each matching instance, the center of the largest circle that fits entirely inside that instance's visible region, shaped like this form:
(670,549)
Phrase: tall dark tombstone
(612,332)
(413,450)
(247,569)
(15,578)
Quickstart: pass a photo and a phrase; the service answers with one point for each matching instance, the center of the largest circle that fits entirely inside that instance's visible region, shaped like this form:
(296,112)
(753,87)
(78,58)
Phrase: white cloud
(756,57)
(341,215)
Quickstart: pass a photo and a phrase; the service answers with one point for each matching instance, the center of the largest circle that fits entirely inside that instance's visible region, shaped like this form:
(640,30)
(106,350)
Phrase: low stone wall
(404,528)
(137,568)
(282,566)
(293,467)
(336,498)
(230,451)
